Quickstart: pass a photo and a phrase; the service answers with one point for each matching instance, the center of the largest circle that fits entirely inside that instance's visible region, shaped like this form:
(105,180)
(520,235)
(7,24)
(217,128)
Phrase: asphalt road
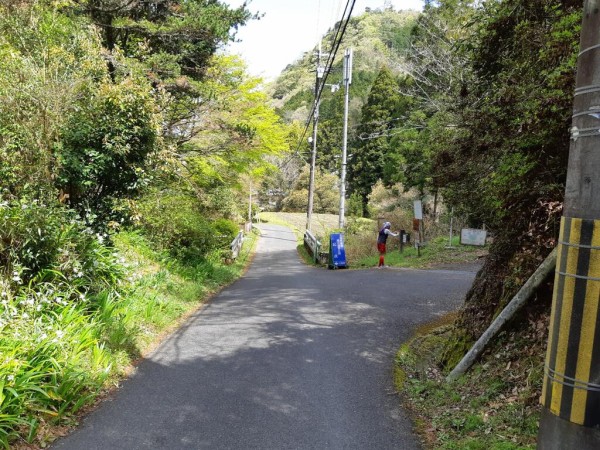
(288,357)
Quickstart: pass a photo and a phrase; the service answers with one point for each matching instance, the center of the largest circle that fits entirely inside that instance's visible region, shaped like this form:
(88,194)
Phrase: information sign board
(418,207)
(471,236)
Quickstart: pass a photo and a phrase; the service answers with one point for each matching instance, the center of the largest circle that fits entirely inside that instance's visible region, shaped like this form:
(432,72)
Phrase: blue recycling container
(337,251)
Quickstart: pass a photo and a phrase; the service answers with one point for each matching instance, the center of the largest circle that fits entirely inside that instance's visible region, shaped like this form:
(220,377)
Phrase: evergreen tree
(380,115)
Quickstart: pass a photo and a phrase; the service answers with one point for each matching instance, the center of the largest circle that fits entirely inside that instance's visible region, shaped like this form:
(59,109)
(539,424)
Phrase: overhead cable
(328,65)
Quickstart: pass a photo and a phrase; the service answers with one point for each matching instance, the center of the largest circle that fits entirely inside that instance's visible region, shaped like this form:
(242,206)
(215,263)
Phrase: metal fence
(312,245)
(236,245)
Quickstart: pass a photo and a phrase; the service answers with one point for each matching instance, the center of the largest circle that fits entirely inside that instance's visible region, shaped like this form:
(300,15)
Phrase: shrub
(173,222)
(46,242)
(226,229)
(105,147)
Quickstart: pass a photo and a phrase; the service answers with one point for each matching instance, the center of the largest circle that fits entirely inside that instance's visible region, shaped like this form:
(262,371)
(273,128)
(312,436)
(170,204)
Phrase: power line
(328,65)
(387,133)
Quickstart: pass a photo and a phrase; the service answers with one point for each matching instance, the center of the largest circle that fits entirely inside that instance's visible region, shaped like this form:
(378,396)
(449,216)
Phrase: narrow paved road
(288,357)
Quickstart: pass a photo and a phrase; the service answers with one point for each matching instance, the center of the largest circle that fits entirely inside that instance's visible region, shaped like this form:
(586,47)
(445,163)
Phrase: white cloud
(291,27)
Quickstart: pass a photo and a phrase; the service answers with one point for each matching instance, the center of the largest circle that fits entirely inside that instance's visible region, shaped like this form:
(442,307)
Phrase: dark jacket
(382,237)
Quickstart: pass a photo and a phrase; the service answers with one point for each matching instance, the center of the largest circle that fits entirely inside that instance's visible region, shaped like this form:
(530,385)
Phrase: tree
(47,61)
(506,161)
(326,196)
(170,37)
(171,42)
(380,116)
(105,146)
(237,128)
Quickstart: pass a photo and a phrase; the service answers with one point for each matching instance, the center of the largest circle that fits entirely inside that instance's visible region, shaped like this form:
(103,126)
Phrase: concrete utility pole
(250,204)
(571,393)
(347,82)
(313,158)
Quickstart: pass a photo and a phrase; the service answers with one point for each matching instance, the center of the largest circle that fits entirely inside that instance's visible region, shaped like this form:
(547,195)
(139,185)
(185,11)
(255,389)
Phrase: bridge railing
(236,245)
(312,244)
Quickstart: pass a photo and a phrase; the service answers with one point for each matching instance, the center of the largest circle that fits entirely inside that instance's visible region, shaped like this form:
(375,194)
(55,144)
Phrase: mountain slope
(378,38)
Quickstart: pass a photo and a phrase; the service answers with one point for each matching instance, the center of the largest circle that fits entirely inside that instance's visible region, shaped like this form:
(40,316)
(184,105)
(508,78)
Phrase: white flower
(10,378)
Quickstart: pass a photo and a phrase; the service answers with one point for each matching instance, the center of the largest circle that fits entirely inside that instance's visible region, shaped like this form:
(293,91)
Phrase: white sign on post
(470,236)
(418,210)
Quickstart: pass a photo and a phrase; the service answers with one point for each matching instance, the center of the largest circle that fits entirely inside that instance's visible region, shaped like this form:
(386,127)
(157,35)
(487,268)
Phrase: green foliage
(47,243)
(354,205)
(170,43)
(59,347)
(46,59)
(185,33)
(52,363)
(325,198)
(174,223)
(513,149)
(106,145)
(372,149)
(226,229)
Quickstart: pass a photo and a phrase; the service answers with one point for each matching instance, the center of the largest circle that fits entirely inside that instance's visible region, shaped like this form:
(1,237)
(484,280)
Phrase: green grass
(434,253)
(360,242)
(495,406)
(61,346)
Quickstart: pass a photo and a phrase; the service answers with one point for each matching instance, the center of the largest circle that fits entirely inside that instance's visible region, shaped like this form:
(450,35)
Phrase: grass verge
(58,357)
(493,407)
(434,254)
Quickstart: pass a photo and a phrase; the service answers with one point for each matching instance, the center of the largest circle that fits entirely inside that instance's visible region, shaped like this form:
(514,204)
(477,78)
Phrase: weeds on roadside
(495,406)
(75,312)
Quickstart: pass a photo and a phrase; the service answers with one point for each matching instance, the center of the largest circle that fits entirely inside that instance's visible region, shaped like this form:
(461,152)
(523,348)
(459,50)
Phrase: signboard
(416,225)
(337,251)
(471,236)
(418,210)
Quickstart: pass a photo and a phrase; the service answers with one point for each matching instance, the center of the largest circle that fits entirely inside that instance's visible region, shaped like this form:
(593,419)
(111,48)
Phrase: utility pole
(313,158)
(571,392)
(347,82)
(250,203)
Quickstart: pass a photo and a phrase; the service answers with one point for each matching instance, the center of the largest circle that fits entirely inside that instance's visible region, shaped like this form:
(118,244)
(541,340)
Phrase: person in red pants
(381,241)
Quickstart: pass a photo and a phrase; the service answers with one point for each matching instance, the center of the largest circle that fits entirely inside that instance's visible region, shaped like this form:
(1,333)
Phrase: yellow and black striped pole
(571,392)
(572,374)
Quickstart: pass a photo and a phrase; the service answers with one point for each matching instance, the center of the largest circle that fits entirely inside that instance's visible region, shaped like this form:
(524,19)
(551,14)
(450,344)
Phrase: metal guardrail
(236,245)
(312,245)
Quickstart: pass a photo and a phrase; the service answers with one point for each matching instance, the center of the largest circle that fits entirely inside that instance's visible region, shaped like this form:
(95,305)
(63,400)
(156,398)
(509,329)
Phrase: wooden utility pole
(571,393)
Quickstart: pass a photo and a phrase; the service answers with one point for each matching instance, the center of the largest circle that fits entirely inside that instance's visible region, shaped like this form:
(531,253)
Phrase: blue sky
(291,27)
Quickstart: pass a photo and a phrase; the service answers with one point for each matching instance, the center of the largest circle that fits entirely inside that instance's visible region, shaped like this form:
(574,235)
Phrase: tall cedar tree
(372,146)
